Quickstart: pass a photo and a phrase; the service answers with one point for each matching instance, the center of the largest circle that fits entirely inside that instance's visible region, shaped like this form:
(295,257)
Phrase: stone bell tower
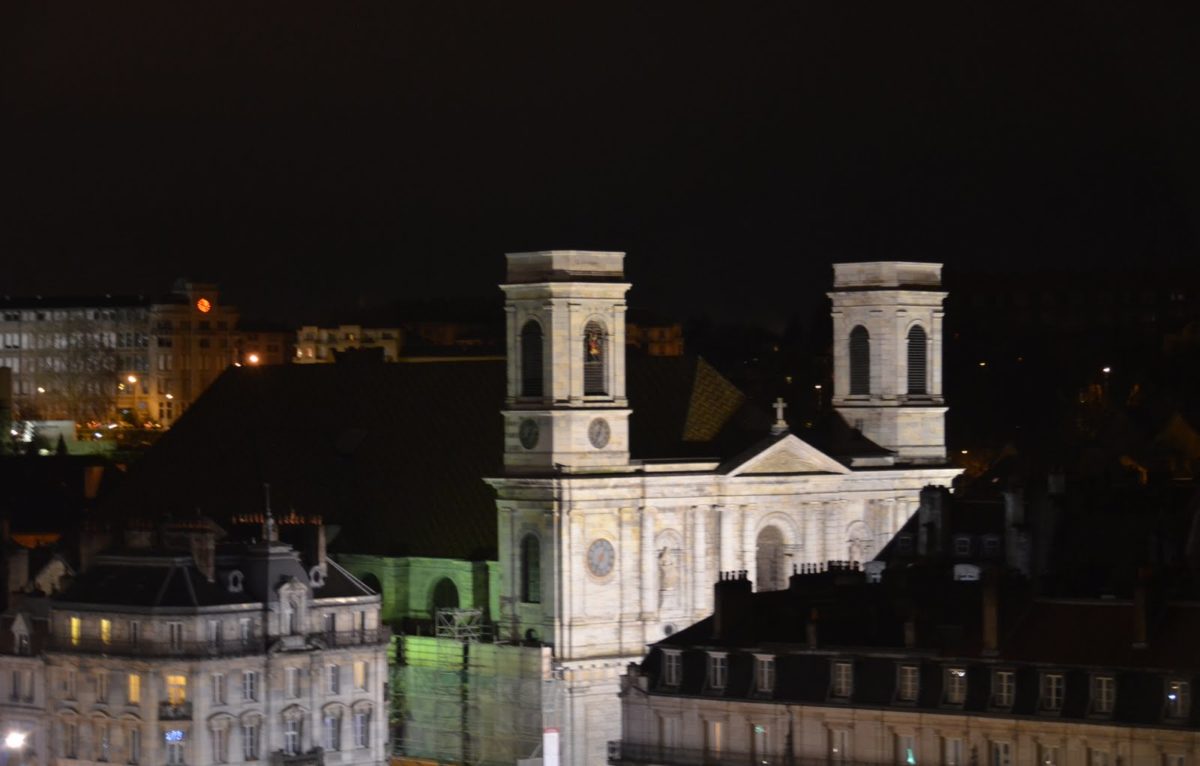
(566,403)
(887,355)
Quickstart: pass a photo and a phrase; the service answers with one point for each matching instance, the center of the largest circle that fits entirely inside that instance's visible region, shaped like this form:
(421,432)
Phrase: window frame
(764,673)
(1052,689)
(837,683)
(672,667)
(716,676)
(954,679)
(995,699)
(908,683)
(1095,697)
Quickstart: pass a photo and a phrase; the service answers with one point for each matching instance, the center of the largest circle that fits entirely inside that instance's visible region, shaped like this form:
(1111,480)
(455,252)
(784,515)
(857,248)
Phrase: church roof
(396,453)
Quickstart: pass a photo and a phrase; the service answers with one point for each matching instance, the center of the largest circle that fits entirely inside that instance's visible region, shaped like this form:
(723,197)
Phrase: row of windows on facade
(75,340)
(1176,702)
(860,361)
(175,741)
(595,348)
(93,315)
(953,751)
(175,685)
(215,633)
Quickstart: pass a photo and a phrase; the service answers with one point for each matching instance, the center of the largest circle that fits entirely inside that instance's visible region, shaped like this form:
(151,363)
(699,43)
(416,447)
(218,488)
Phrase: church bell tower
(565,407)
(887,356)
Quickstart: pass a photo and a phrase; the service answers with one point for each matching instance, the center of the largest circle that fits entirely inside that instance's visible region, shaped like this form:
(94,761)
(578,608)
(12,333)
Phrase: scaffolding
(460,699)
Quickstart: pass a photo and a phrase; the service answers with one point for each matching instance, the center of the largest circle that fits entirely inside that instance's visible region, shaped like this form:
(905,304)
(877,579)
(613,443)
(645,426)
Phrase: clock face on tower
(598,433)
(600,557)
(528,433)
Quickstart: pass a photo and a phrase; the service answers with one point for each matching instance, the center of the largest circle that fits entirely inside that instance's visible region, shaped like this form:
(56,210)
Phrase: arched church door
(772,563)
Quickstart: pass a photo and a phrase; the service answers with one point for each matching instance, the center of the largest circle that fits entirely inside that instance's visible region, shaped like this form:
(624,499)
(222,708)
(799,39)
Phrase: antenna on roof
(269,535)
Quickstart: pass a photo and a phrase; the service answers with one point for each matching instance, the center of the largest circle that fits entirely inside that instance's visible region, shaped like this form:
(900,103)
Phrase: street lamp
(252,358)
(14,742)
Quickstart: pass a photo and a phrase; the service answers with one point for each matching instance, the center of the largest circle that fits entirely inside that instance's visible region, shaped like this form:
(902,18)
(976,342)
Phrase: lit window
(133,690)
(1003,688)
(764,673)
(105,630)
(1052,692)
(360,675)
(672,667)
(175,743)
(843,679)
(176,690)
(907,683)
(956,685)
(76,628)
(1179,700)
(906,749)
(717,669)
(1104,694)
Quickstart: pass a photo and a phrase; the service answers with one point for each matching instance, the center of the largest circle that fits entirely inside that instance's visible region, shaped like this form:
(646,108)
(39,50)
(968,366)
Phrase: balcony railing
(225,648)
(626,754)
(180,711)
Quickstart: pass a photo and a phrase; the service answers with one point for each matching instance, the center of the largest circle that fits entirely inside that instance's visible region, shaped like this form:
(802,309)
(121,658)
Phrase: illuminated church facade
(602,553)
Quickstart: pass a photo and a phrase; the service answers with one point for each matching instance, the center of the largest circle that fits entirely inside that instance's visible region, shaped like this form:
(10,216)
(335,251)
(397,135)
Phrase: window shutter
(917,361)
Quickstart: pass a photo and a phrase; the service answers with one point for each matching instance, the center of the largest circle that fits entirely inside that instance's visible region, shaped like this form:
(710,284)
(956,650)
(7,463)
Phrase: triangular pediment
(788,454)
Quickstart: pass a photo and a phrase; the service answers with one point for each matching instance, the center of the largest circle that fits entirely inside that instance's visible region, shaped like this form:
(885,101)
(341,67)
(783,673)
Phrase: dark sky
(315,154)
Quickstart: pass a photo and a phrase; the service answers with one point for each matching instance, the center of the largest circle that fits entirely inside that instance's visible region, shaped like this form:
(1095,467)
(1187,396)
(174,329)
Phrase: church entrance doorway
(772,564)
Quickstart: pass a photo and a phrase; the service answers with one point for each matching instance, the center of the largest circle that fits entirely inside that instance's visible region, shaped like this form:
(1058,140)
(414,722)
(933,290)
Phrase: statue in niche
(668,576)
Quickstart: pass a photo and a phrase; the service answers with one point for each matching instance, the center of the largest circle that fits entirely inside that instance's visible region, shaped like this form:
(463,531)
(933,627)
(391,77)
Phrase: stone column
(649,579)
(698,564)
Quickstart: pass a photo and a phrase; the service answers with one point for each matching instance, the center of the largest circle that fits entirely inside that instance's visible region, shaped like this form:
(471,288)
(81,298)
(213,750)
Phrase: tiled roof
(395,454)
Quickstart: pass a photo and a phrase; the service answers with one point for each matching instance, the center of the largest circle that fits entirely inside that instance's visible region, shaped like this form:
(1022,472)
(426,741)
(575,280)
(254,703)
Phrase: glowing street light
(1106,370)
(252,359)
(14,740)
(132,379)
(41,390)
(170,397)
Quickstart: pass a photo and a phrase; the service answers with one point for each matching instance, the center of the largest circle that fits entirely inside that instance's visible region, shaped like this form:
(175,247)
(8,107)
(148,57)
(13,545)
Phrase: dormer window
(991,546)
(956,685)
(907,683)
(1004,687)
(842,683)
(962,546)
(1104,695)
(904,544)
(672,667)
(764,673)
(1051,697)
(1179,699)
(718,670)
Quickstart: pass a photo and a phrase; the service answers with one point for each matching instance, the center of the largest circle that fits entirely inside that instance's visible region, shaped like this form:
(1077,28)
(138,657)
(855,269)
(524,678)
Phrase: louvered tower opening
(531,570)
(595,360)
(860,361)
(531,359)
(917,361)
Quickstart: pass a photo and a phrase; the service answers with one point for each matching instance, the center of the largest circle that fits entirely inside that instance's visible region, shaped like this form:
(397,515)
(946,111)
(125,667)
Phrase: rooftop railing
(627,754)
(145,647)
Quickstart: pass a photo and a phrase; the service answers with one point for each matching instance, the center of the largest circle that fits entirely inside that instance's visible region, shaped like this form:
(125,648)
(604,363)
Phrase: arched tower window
(595,360)
(531,359)
(917,367)
(860,361)
(771,561)
(531,570)
(445,595)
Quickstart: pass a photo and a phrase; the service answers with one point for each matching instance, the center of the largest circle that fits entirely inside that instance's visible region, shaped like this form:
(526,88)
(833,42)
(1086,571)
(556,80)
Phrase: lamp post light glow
(14,740)
(252,359)
(132,379)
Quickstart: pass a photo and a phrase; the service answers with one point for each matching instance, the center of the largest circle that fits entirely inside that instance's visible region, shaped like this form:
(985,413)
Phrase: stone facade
(601,554)
(188,652)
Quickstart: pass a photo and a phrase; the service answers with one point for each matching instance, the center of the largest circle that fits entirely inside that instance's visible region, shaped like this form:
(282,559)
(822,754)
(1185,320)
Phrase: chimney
(204,552)
(731,603)
(321,560)
(931,521)
(18,568)
(810,628)
(991,614)
(1141,610)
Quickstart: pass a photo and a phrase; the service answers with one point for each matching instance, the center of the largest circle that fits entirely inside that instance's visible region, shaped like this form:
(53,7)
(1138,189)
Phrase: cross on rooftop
(780,405)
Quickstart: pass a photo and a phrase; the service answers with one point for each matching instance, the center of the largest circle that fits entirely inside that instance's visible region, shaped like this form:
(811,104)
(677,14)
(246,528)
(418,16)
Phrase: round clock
(598,433)
(203,306)
(600,557)
(528,433)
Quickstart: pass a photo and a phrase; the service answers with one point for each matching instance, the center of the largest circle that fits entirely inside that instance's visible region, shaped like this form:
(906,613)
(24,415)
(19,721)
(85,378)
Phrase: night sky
(313,155)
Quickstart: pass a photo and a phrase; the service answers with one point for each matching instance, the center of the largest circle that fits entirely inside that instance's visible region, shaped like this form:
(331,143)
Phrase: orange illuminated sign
(203,305)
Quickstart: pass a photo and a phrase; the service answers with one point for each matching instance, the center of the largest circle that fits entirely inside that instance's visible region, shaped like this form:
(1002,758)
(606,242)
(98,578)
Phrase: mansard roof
(396,453)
